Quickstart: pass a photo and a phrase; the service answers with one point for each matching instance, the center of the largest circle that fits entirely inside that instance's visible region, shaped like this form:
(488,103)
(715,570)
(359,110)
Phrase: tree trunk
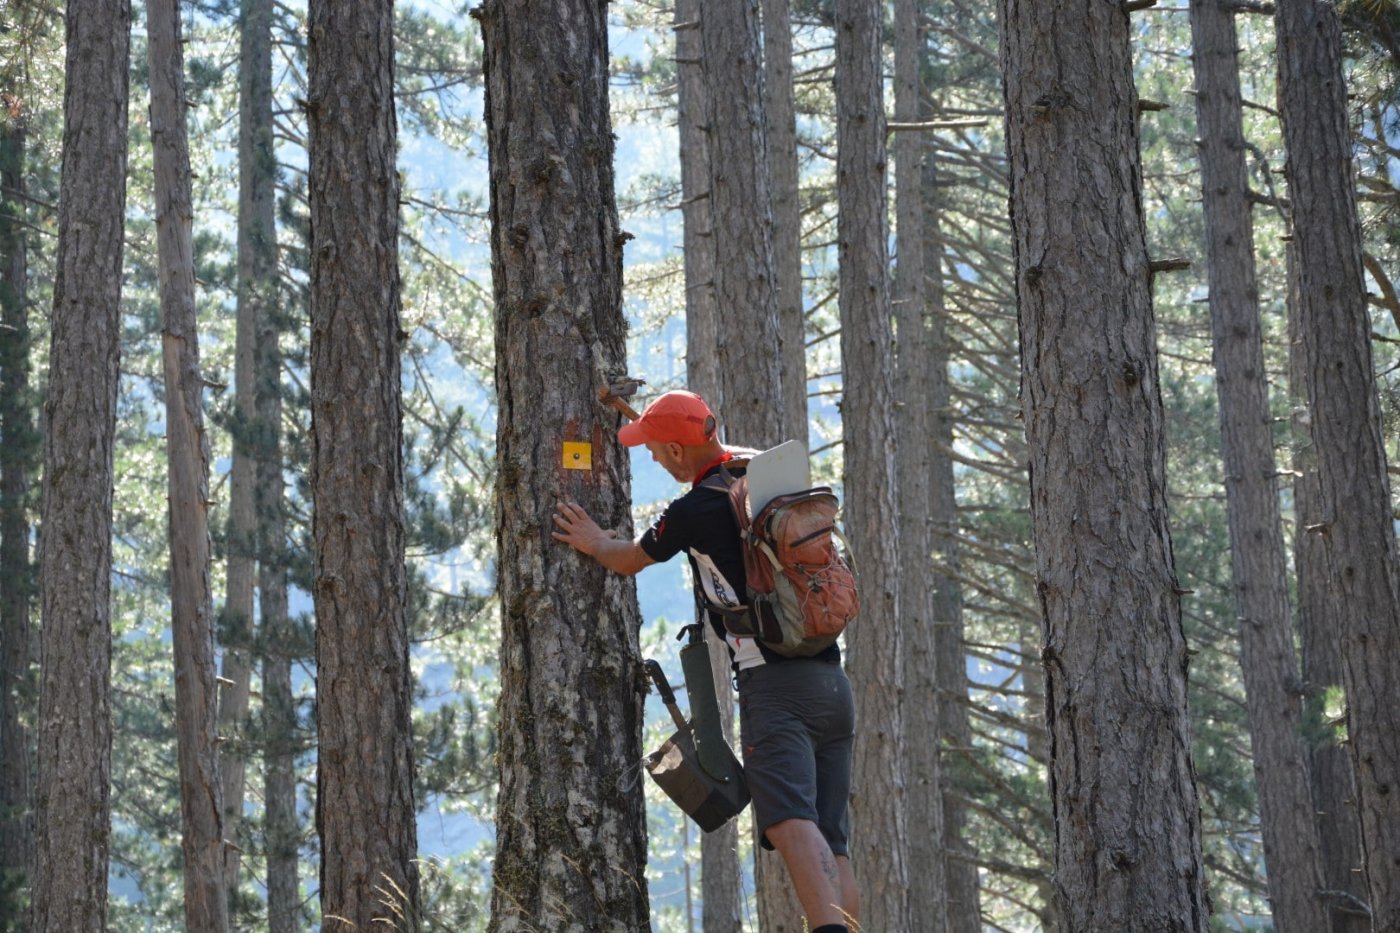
(923,783)
(1354,504)
(257,276)
(1127,823)
(72,804)
(1259,563)
(874,656)
(1333,781)
(950,660)
(741,206)
(187,453)
(781,122)
(364,790)
(721,898)
(570,835)
(16,581)
(281,738)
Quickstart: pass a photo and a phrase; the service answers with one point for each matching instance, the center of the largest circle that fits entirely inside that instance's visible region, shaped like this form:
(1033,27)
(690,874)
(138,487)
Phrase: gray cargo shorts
(797,724)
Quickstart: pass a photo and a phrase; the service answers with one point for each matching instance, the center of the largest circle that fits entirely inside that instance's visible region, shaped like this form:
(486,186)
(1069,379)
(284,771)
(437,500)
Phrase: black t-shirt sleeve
(667,536)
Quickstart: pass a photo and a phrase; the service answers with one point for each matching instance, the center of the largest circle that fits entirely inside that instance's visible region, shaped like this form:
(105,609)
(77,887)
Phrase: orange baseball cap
(673,418)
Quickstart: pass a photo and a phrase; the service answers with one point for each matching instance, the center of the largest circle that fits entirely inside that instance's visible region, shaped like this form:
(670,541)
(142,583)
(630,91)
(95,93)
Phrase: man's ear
(677,451)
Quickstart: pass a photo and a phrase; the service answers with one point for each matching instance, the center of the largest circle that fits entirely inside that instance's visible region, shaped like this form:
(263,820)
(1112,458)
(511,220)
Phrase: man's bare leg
(816,874)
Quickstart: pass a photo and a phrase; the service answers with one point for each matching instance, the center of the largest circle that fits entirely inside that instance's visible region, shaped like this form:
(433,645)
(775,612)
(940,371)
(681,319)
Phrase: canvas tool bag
(713,795)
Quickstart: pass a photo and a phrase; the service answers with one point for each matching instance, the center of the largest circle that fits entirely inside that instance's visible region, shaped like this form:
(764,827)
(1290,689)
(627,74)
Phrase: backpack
(801,591)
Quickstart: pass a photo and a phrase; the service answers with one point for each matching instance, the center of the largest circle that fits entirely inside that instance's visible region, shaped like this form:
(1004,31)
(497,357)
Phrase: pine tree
(571,846)
(74,731)
(365,812)
(1127,824)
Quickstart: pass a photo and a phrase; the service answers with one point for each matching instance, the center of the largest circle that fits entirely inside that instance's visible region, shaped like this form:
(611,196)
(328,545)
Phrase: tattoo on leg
(829,868)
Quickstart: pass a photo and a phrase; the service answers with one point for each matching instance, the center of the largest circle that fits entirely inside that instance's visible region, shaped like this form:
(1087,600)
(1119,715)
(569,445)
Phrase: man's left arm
(578,530)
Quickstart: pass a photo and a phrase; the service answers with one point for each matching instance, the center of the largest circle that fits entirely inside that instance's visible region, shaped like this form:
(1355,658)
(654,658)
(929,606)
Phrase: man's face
(671,459)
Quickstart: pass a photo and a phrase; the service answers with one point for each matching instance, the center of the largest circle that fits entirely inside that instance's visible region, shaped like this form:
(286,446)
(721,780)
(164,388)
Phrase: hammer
(616,393)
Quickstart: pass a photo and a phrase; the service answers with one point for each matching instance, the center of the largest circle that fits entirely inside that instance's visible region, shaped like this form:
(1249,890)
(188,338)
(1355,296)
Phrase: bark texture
(1259,561)
(874,654)
(187,454)
(364,789)
(1333,781)
(780,115)
(748,335)
(1127,822)
(16,574)
(570,830)
(720,874)
(928,898)
(72,802)
(1353,505)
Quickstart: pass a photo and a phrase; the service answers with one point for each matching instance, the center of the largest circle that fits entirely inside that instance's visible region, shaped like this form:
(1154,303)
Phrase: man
(796,716)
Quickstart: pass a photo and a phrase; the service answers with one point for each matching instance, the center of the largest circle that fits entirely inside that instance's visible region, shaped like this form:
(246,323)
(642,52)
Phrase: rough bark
(1333,782)
(187,455)
(721,899)
(1353,505)
(72,802)
(16,580)
(571,844)
(1258,560)
(748,335)
(256,278)
(1127,822)
(364,789)
(928,899)
(780,115)
(874,640)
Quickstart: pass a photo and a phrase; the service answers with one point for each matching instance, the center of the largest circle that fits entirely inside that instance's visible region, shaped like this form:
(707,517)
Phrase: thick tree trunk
(1259,562)
(780,115)
(923,784)
(257,279)
(16,580)
(875,657)
(1354,504)
(364,790)
(741,206)
(187,453)
(72,797)
(1127,822)
(570,840)
(1332,777)
(721,898)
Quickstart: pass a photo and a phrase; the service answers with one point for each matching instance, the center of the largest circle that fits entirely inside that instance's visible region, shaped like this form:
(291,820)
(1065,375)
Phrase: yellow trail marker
(578,455)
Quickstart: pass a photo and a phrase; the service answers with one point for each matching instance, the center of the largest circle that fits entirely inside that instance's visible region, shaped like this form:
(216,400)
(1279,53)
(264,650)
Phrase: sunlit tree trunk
(875,658)
(16,572)
(1259,562)
(780,119)
(364,789)
(187,453)
(928,898)
(72,803)
(1127,821)
(570,830)
(1354,508)
(741,207)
